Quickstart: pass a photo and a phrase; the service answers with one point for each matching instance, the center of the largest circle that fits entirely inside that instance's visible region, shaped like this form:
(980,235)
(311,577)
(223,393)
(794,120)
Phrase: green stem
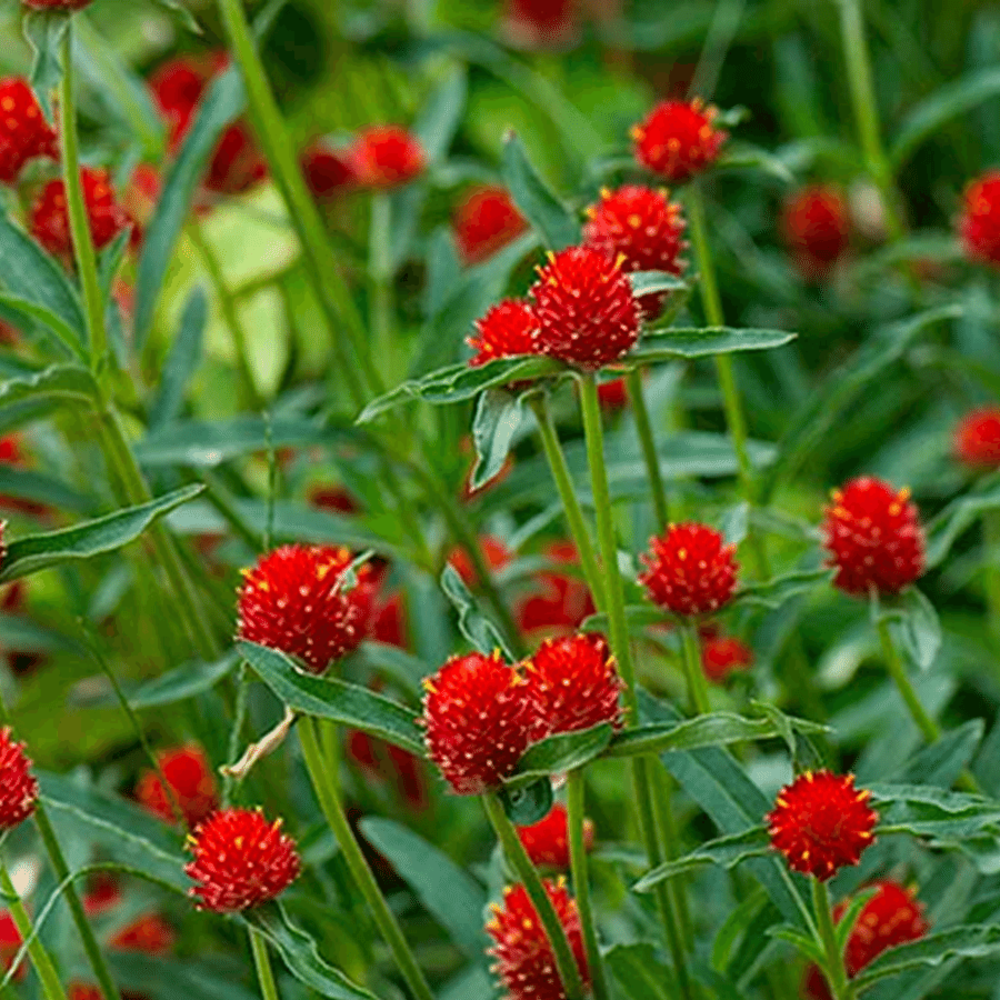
(991,546)
(693,671)
(927,726)
(46,970)
(380,241)
(578,527)
(517,856)
(324,783)
(836,974)
(262,961)
(575,794)
(644,428)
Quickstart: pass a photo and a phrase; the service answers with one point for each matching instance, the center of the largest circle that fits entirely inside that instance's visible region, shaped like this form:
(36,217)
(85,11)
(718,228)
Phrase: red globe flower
(613,394)
(476,720)
(240,860)
(386,156)
(690,570)
(678,139)
(723,655)
(328,173)
(24,133)
(524,959)
(585,308)
(50,217)
(10,945)
(541,24)
(821,823)
(495,552)
(642,228)
(486,221)
(874,538)
(295,600)
(573,684)
(191,781)
(977,438)
(817,229)
(18,787)
(57,4)
(547,841)
(149,934)
(562,602)
(979,222)
(508,329)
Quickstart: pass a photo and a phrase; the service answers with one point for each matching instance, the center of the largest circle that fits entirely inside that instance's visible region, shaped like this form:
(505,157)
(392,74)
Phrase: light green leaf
(774,593)
(494,427)
(945,528)
(181,364)
(472,621)
(560,753)
(690,342)
(656,282)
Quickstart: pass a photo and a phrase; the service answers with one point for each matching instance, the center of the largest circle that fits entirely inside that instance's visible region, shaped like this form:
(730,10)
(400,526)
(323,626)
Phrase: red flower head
(874,538)
(890,918)
(979,223)
(337,499)
(613,395)
(722,655)
(585,307)
(237,164)
(294,600)
(240,860)
(149,934)
(486,221)
(821,823)
(327,172)
(816,227)
(18,787)
(476,717)
(642,228)
(57,4)
(494,550)
(10,945)
(509,328)
(386,156)
(81,991)
(690,570)
(541,24)
(24,133)
(105,217)
(977,438)
(190,778)
(547,841)
(562,602)
(678,139)
(573,684)
(524,959)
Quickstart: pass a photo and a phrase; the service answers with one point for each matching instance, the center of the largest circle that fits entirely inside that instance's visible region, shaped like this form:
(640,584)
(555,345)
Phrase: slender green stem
(991,547)
(666,824)
(515,853)
(693,672)
(644,428)
(380,240)
(575,794)
(578,526)
(325,784)
(836,974)
(262,961)
(927,726)
(46,970)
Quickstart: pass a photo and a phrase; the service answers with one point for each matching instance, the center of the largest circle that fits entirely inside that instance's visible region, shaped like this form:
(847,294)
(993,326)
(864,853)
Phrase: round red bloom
(642,228)
(524,959)
(690,570)
(816,226)
(190,778)
(722,655)
(237,163)
(562,602)
(874,538)
(50,217)
(486,221)
(891,917)
(539,24)
(10,945)
(979,223)
(294,600)
(821,823)
(547,841)
(573,684)
(24,133)
(496,553)
(327,172)
(18,787)
(585,308)
(613,395)
(678,139)
(149,934)
(240,860)
(57,4)
(102,895)
(476,717)
(386,156)
(509,328)
(977,438)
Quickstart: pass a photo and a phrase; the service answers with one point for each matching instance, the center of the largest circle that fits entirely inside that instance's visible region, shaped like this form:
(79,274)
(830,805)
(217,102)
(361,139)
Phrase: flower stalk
(262,963)
(693,671)
(836,973)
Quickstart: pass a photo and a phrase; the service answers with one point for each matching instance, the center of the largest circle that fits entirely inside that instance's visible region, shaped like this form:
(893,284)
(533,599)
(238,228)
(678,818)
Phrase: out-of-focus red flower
(979,222)
(547,841)
(562,602)
(722,655)
(10,944)
(386,156)
(102,895)
(816,227)
(485,221)
(337,499)
(140,200)
(18,786)
(387,763)
(976,441)
(50,215)
(328,172)
(678,139)
(24,133)
(189,775)
(149,934)
(613,394)
(541,24)
(495,552)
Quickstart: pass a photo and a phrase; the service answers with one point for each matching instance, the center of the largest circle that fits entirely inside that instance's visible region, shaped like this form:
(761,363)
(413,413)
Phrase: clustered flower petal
(721,655)
(386,156)
(874,537)
(547,841)
(486,221)
(240,859)
(979,222)
(295,599)
(690,570)
(18,787)
(507,329)
(189,775)
(24,133)
(821,823)
(977,438)
(50,214)
(816,227)
(678,139)
(524,959)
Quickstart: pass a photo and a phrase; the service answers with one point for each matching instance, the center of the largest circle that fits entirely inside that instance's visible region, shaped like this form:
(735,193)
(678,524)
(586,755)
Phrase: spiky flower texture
(822,823)
(18,787)
(507,329)
(678,139)
(979,222)
(297,599)
(24,133)
(547,841)
(240,860)
(189,775)
(50,215)
(524,959)
(976,441)
(873,534)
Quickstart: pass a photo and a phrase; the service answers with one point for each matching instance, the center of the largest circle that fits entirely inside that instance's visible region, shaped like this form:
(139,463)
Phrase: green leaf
(330,698)
(560,753)
(184,682)
(45,31)
(691,342)
(656,282)
(57,383)
(404,668)
(494,427)
(850,916)
(184,16)
(640,973)
(944,529)
(727,852)
(181,364)
(441,116)
(546,213)
(527,804)
(446,891)
(917,620)
(34,553)
(472,622)
(744,156)
(774,593)
(174,979)
(39,487)
(66,336)
(750,912)
(800,942)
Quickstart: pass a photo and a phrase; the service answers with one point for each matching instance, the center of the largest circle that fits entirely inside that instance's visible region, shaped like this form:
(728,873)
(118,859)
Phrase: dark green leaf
(800,942)
(655,282)
(38,487)
(774,593)
(172,979)
(27,636)
(55,384)
(184,682)
(472,622)
(725,851)
(750,912)
(639,972)
(45,31)
(917,621)
(496,423)
(744,156)
(691,342)
(637,616)
(403,667)
(961,513)
(560,753)
(440,117)
(181,364)
(528,804)
(67,338)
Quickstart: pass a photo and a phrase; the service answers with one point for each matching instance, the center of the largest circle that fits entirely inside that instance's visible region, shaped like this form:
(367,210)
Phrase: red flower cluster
(524,959)
(508,329)
(386,156)
(721,655)
(294,600)
(189,775)
(18,787)
(547,841)
(24,133)
(817,229)
(240,860)
(50,214)
(977,438)
(821,823)
(874,538)
(690,570)
(979,222)
(486,221)
(562,602)
(678,139)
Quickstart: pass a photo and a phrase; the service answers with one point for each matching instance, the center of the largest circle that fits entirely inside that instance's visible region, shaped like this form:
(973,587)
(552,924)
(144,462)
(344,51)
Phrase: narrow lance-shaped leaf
(774,593)
(696,342)
(494,427)
(725,851)
(182,362)
(560,753)
(944,529)
(472,621)
(45,30)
